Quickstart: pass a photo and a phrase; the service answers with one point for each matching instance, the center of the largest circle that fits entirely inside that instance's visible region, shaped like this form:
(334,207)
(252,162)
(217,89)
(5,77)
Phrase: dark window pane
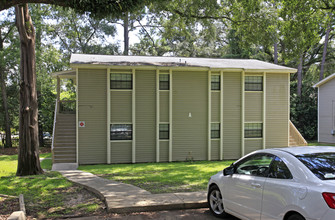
(321,164)
(121,132)
(253,130)
(164,131)
(164,81)
(279,170)
(121,81)
(255,165)
(215,82)
(215,130)
(253,83)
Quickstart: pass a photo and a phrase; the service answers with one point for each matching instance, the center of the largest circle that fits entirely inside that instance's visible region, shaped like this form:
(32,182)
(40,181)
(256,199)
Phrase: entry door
(244,189)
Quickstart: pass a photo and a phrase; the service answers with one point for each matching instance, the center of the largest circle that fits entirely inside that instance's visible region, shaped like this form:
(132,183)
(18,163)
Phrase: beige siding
(253,106)
(215,146)
(231,115)
(145,116)
(92,97)
(190,95)
(164,151)
(215,106)
(277,110)
(327,112)
(121,106)
(121,152)
(164,106)
(252,145)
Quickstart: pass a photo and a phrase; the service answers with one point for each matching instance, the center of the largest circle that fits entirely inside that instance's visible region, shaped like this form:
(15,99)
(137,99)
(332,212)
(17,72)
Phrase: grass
(315,143)
(161,177)
(49,195)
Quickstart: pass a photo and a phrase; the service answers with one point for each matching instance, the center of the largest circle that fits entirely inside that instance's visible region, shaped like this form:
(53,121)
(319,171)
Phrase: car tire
(215,202)
(296,217)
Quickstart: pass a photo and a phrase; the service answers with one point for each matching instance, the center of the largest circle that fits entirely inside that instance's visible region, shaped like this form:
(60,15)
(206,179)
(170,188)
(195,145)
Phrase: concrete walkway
(125,198)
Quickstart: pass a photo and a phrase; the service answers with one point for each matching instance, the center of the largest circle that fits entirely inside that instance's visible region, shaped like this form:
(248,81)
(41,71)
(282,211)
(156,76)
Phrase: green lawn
(46,196)
(161,177)
(315,143)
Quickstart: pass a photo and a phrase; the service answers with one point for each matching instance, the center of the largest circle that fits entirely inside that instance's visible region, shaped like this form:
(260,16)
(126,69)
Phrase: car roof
(306,149)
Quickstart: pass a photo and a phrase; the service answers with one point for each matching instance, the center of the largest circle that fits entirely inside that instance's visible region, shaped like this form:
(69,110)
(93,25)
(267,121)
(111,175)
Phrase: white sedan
(296,183)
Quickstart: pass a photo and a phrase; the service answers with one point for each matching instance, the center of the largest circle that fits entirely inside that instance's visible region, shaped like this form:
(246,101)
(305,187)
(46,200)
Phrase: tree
(28,158)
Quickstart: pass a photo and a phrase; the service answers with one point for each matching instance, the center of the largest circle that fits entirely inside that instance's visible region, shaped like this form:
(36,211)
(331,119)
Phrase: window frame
(121,82)
(127,136)
(271,166)
(252,85)
(213,131)
(215,85)
(164,84)
(161,132)
(246,130)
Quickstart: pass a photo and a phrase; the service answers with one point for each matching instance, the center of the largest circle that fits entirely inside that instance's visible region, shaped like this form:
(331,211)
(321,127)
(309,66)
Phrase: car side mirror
(228,171)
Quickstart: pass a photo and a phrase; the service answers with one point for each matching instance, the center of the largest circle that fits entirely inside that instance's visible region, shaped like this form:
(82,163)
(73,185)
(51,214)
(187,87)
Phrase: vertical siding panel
(164,106)
(231,115)
(121,152)
(276,110)
(190,93)
(164,151)
(253,144)
(145,116)
(327,112)
(215,154)
(120,106)
(215,106)
(253,106)
(92,109)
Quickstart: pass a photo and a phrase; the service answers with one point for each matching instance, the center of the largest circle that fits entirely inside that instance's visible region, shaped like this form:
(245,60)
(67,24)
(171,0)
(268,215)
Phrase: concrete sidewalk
(123,198)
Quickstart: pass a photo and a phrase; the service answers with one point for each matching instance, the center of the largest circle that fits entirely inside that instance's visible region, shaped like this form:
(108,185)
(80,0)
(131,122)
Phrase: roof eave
(325,80)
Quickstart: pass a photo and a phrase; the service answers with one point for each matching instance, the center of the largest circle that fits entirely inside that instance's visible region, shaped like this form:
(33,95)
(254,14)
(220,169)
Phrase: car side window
(255,165)
(279,170)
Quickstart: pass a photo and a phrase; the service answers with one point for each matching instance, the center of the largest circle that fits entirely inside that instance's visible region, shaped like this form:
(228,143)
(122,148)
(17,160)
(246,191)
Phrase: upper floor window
(215,82)
(254,83)
(215,130)
(253,130)
(164,81)
(121,81)
(164,131)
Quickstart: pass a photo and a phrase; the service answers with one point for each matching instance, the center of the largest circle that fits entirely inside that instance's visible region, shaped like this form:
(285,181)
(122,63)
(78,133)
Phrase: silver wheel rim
(215,200)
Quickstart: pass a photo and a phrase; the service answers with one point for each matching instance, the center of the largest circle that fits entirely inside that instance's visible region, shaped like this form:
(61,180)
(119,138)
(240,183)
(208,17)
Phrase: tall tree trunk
(324,54)
(126,32)
(28,158)
(4,99)
(299,73)
(275,55)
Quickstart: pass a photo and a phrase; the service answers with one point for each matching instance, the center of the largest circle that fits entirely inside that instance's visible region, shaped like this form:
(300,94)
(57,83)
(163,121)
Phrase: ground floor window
(164,131)
(253,130)
(215,130)
(121,132)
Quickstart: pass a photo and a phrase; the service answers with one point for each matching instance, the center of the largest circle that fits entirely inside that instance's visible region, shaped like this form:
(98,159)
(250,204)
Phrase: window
(121,81)
(215,82)
(121,132)
(215,130)
(254,83)
(279,170)
(255,165)
(164,81)
(253,130)
(164,131)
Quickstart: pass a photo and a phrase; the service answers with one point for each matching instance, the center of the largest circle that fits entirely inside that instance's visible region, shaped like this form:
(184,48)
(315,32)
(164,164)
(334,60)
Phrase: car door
(243,190)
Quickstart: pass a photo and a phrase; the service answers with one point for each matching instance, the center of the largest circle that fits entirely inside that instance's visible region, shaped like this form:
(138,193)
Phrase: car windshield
(321,164)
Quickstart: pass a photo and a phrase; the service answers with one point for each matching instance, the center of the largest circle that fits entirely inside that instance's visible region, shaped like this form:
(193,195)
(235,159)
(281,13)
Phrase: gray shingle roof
(213,63)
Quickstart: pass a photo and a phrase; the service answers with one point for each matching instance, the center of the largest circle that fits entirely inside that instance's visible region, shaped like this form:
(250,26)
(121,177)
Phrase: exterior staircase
(296,139)
(64,139)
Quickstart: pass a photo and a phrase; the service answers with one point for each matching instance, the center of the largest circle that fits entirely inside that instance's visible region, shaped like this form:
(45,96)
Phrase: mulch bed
(14,150)
(8,205)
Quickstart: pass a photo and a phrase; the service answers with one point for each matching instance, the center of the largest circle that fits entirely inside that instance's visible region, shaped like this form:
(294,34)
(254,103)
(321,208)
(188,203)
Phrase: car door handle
(256,185)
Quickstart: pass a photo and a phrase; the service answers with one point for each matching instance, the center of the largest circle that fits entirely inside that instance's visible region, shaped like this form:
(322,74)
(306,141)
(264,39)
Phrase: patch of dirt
(14,150)
(8,206)
(76,202)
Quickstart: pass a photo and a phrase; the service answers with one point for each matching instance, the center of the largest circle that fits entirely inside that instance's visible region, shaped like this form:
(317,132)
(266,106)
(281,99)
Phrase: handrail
(54,128)
(298,138)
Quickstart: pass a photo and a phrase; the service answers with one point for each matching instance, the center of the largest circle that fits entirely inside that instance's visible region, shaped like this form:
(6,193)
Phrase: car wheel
(215,202)
(296,217)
